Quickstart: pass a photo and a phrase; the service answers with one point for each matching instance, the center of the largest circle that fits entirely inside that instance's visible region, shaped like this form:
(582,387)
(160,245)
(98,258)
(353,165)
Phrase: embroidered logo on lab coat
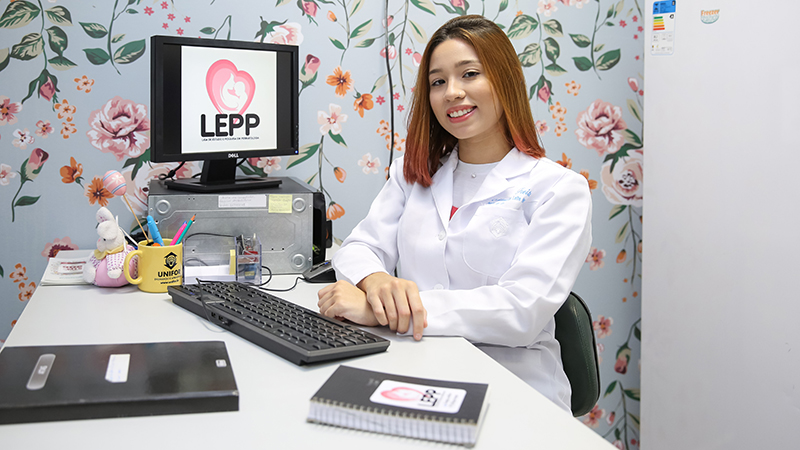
(498,227)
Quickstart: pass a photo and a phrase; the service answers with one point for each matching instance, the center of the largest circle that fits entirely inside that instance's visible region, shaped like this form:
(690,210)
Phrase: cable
(208,319)
(285,290)
(389,79)
(171,174)
(268,279)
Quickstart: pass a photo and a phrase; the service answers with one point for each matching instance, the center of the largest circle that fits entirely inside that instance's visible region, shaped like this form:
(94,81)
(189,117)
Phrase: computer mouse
(320,273)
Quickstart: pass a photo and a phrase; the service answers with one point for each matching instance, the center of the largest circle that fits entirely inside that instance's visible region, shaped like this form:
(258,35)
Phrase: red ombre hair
(427,141)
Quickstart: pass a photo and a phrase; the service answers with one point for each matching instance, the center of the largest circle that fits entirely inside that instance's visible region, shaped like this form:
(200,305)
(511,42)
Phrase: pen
(185,230)
(151,225)
(178,234)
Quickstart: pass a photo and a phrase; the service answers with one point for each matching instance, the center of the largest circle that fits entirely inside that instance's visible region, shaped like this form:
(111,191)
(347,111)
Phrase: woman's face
(462,98)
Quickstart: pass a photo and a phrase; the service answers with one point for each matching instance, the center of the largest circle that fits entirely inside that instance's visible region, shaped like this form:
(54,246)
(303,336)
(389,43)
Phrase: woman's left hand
(342,300)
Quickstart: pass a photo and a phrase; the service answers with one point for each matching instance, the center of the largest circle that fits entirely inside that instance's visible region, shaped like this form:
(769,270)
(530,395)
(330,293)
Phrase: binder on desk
(69,382)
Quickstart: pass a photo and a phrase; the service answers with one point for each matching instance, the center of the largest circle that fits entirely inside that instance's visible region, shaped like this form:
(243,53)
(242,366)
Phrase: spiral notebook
(436,410)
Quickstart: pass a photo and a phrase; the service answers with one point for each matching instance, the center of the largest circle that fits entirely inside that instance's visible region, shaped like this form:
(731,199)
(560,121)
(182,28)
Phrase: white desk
(274,394)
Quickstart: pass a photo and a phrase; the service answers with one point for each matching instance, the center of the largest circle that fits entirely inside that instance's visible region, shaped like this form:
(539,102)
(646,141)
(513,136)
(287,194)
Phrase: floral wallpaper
(75,97)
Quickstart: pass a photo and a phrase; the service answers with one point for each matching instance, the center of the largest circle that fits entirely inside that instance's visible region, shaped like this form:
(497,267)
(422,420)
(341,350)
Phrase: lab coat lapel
(514,164)
(442,187)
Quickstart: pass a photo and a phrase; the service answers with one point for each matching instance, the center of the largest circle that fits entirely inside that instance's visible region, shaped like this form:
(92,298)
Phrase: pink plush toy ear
(103,215)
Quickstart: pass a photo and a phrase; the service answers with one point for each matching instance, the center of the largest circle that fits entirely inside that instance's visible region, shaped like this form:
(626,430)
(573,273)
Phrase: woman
(486,234)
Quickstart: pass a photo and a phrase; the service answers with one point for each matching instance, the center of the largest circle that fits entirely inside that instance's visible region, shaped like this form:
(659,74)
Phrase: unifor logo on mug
(170,260)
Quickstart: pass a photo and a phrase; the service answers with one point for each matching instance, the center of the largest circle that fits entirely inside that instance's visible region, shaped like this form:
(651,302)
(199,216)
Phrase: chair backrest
(578,353)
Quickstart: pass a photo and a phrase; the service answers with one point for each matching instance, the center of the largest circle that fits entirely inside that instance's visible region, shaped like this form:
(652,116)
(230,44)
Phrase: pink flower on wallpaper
(288,33)
(623,186)
(618,444)
(576,3)
(6,174)
(331,122)
(121,128)
(417,58)
(43,128)
(547,7)
(634,84)
(370,165)
(137,189)
(268,165)
(23,138)
(457,3)
(600,127)
(624,356)
(48,89)
(51,249)
(544,93)
(541,127)
(602,326)
(311,66)
(310,8)
(592,419)
(8,110)
(595,258)
(392,52)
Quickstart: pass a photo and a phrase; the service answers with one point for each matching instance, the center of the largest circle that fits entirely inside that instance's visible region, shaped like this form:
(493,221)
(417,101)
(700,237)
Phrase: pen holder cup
(158,267)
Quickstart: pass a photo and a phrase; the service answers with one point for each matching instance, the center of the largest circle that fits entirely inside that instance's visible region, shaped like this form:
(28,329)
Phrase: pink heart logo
(229,89)
(403,394)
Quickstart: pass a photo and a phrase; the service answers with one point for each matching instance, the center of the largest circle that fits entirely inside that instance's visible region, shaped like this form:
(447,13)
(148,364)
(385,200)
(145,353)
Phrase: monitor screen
(220,101)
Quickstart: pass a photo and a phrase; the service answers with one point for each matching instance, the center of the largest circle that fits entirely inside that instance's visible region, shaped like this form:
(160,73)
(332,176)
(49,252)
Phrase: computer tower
(289,220)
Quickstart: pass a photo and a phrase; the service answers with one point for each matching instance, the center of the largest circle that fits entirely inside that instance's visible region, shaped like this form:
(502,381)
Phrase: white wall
(721,320)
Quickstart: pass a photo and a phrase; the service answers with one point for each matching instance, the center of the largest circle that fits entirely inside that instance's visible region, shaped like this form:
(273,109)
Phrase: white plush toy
(105,265)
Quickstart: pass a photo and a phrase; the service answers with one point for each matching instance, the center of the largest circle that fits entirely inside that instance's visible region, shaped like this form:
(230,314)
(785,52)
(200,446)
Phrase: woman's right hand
(342,300)
(395,302)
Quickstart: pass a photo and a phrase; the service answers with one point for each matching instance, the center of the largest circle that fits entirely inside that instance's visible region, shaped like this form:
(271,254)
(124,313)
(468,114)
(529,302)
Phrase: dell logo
(233,155)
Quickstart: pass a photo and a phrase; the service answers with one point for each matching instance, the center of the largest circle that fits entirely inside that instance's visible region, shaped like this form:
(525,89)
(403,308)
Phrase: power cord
(171,174)
(391,86)
(205,310)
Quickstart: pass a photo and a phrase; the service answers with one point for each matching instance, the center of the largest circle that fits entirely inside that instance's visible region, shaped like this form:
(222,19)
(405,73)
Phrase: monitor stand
(219,175)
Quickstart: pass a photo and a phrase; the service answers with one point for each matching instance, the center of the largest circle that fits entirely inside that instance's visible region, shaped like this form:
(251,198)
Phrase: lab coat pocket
(495,233)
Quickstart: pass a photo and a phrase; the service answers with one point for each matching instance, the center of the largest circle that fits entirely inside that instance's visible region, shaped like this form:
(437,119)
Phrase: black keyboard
(297,334)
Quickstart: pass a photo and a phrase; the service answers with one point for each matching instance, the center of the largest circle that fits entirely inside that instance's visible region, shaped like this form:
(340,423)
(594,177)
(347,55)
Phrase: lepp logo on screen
(231,91)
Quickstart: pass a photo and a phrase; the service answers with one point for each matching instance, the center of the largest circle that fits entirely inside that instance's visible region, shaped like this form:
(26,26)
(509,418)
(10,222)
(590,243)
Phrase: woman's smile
(460,114)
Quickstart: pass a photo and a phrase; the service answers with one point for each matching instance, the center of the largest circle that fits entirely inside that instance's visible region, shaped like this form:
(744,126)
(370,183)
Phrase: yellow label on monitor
(280,203)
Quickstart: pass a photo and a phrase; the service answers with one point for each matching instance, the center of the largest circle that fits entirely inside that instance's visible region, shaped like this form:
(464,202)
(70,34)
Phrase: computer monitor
(218,101)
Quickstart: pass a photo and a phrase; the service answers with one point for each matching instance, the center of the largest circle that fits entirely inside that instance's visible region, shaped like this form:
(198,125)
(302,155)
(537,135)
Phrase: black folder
(70,382)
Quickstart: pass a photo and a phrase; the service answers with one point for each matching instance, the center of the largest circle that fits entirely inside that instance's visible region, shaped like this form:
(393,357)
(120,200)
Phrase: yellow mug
(158,267)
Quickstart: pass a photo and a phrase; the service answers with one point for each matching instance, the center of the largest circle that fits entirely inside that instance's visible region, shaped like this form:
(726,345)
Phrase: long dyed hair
(427,141)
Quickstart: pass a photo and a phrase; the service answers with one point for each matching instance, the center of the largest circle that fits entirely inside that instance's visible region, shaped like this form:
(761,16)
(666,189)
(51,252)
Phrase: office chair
(578,353)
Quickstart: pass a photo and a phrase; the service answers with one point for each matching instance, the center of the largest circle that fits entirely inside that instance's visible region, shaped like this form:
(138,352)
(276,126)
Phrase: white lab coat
(496,272)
